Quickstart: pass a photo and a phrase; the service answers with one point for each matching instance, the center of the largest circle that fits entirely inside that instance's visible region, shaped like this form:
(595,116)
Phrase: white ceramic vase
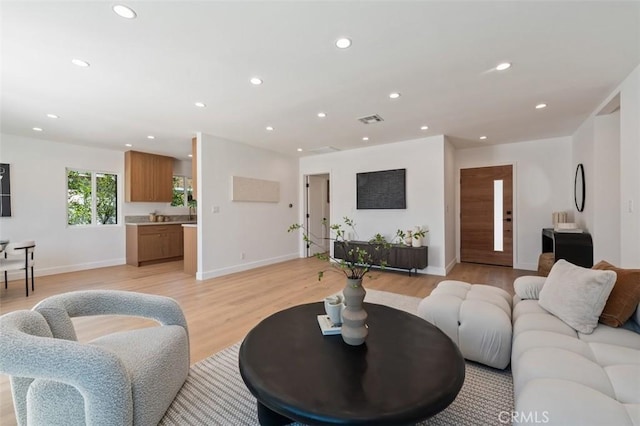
(354,317)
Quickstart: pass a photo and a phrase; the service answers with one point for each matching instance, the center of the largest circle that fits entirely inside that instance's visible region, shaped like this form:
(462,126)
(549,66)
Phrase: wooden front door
(486,215)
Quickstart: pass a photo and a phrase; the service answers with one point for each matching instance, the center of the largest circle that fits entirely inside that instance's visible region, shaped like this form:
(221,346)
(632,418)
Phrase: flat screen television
(385,189)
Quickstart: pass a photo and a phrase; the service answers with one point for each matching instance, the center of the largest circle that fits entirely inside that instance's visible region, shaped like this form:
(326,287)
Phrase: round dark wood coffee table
(407,370)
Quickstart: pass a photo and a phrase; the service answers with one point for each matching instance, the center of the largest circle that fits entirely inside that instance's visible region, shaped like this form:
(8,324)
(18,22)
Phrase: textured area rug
(214,393)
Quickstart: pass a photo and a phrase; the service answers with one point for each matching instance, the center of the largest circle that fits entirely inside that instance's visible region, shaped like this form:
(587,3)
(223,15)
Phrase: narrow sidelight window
(497,216)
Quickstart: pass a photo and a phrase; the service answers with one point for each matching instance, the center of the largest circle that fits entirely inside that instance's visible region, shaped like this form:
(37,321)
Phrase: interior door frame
(515,216)
(304,206)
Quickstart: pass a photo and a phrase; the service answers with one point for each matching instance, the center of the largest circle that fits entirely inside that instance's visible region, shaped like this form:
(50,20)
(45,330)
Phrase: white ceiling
(146,73)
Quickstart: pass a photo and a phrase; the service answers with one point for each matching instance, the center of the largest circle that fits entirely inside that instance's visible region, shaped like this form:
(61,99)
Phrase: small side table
(574,247)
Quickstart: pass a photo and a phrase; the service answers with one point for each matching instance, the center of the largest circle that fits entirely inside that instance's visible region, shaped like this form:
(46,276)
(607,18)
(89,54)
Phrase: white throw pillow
(528,286)
(576,295)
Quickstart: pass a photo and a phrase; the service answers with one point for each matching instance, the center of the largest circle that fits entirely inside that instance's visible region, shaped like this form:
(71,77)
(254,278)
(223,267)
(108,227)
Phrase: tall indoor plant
(354,263)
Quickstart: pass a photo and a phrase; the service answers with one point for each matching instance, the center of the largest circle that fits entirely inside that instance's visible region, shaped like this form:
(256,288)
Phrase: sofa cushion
(576,295)
(563,402)
(565,377)
(624,297)
(528,287)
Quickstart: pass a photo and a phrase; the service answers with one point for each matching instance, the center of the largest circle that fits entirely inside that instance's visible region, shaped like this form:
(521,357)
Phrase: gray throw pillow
(576,295)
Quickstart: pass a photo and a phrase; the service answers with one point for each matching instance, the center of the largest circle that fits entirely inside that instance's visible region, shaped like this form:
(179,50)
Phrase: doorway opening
(317,213)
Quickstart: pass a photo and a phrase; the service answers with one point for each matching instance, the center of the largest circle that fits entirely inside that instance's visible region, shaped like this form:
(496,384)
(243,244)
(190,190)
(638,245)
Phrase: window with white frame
(92,198)
(182,192)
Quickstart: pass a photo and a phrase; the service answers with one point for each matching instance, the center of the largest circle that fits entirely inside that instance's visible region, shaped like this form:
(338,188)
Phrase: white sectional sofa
(565,377)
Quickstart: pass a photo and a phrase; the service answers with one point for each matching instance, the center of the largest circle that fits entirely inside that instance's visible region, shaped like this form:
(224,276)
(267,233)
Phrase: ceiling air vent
(370,119)
(323,150)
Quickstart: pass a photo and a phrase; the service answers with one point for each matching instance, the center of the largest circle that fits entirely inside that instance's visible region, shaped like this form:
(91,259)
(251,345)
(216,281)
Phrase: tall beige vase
(354,317)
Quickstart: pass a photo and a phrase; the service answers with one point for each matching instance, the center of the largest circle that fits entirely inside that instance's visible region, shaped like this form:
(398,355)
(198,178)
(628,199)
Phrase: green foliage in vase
(420,233)
(357,261)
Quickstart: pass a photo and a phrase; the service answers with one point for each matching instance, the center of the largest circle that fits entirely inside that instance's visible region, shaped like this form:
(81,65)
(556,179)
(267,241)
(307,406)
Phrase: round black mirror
(579,188)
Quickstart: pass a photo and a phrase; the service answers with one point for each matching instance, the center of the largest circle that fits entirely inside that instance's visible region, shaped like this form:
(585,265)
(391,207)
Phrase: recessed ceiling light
(128,144)
(52,116)
(322,114)
(540,106)
(365,138)
(269,128)
(256,81)
(37,129)
(503,66)
(200,104)
(124,11)
(343,43)
(394,95)
(151,137)
(424,128)
(80,63)
(190,155)
(482,138)
(299,149)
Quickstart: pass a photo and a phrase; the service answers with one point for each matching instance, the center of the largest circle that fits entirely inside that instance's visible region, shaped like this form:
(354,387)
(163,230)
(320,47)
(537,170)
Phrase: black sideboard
(396,257)
(574,247)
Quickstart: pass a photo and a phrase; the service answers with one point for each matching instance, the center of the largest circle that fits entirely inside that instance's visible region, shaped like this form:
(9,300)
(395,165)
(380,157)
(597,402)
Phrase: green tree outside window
(83,207)
(182,192)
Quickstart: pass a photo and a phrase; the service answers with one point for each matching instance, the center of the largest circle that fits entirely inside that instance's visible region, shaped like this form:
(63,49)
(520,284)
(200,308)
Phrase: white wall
(243,235)
(424,161)
(38,198)
(450,205)
(606,188)
(543,183)
(629,170)
(583,152)
(587,146)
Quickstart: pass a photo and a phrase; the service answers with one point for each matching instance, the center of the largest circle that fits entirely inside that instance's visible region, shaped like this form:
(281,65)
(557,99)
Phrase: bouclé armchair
(124,378)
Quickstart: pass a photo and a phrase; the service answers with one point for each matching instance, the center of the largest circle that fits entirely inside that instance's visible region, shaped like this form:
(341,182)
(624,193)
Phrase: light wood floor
(221,311)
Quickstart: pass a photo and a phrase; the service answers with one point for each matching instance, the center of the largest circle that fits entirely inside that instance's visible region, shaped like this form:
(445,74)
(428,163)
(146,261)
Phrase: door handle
(508,219)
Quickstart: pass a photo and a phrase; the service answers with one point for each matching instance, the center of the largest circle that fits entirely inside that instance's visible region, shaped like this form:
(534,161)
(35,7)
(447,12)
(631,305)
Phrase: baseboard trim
(244,266)
(41,272)
(527,266)
(450,266)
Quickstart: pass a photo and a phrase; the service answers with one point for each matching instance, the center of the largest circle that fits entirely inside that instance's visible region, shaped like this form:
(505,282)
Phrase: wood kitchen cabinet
(148,177)
(153,244)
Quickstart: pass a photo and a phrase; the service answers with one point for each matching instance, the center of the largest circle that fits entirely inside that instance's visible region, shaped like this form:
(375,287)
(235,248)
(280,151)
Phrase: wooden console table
(574,247)
(397,256)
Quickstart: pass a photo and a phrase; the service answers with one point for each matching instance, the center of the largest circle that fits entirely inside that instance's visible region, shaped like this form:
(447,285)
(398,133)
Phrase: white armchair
(125,378)
(18,256)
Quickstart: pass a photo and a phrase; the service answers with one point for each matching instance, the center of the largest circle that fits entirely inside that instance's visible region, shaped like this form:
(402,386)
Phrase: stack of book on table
(568,227)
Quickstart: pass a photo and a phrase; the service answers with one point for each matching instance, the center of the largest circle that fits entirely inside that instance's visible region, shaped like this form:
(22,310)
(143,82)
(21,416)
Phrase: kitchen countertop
(189,225)
(175,222)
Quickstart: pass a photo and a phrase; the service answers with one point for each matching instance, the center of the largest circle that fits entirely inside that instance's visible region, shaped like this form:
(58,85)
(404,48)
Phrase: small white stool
(476,317)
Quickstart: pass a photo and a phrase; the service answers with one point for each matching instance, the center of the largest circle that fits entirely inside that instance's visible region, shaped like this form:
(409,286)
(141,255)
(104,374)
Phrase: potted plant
(355,262)
(418,234)
(399,238)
